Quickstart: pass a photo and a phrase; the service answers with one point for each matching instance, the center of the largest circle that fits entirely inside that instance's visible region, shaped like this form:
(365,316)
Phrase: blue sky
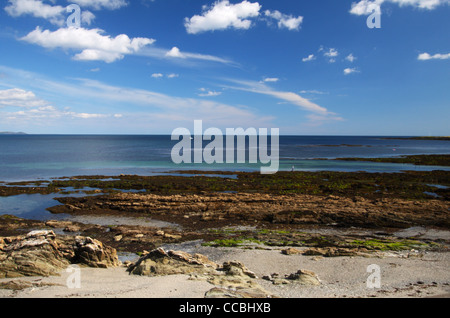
(150,66)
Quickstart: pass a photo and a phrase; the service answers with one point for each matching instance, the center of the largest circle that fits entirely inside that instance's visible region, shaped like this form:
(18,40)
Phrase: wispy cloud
(142,106)
(160,75)
(176,55)
(290,97)
(350,58)
(101,4)
(316,92)
(208,93)
(271,79)
(310,58)
(349,71)
(366,7)
(34,108)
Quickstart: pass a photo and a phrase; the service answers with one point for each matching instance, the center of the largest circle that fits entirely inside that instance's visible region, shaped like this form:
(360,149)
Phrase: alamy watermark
(74,19)
(374,279)
(74,279)
(374,18)
(229,148)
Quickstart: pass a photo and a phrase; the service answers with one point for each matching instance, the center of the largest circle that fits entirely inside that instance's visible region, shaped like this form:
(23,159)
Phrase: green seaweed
(388,245)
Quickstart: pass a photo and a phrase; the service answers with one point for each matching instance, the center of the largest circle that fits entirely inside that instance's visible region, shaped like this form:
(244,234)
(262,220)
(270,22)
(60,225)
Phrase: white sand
(113,283)
(424,276)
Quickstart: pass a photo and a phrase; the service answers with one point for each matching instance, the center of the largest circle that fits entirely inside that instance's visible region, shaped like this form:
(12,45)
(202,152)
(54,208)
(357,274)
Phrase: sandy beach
(403,274)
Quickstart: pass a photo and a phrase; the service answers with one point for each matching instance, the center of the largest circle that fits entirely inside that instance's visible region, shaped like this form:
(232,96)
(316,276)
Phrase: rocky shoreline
(418,160)
(204,226)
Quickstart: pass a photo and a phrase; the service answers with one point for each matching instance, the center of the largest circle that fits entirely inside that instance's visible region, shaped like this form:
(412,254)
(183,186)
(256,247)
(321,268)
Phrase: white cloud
(160,75)
(175,52)
(223,15)
(349,71)
(36,8)
(427,56)
(98,55)
(35,108)
(86,115)
(87,17)
(421,4)
(285,21)
(208,93)
(271,79)
(55,14)
(101,4)
(331,53)
(310,58)
(366,7)
(350,58)
(93,44)
(17,97)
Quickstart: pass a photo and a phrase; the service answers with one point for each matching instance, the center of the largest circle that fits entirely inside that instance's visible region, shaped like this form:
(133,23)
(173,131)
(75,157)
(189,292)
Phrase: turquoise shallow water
(33,157)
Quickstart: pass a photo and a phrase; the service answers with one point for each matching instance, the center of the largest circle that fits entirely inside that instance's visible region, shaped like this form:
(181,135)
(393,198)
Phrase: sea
(43,157)
(46,157)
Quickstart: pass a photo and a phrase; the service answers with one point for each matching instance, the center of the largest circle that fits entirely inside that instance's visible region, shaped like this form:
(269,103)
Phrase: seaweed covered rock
(332,251)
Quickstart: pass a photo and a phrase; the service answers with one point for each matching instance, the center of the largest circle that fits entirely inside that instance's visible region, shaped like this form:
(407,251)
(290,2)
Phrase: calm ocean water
(32,157)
